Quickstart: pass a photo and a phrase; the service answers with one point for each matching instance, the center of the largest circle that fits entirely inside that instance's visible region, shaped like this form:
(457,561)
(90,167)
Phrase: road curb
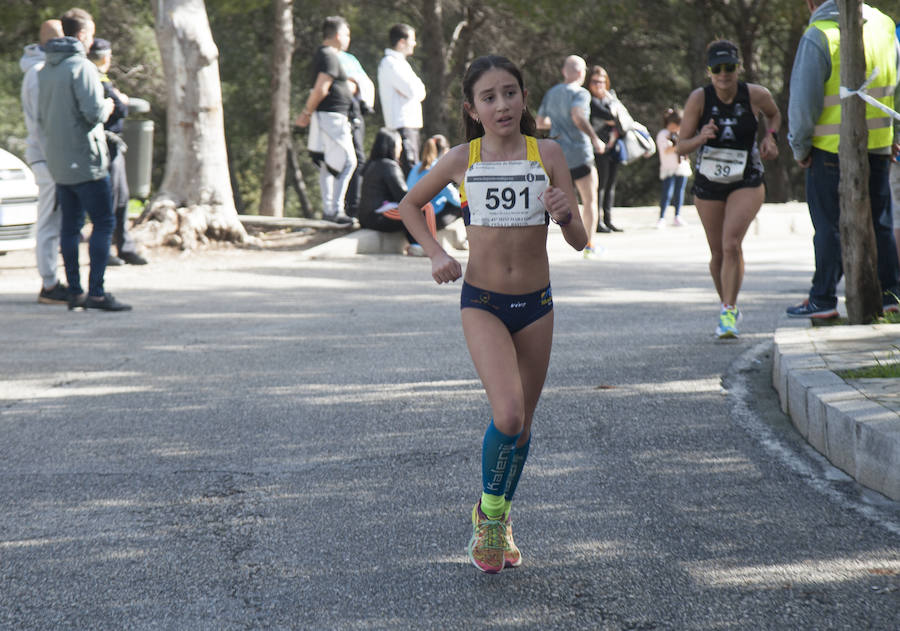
(849,422)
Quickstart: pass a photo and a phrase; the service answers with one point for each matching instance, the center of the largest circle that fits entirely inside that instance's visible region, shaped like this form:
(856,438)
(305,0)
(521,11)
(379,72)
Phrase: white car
(18,204)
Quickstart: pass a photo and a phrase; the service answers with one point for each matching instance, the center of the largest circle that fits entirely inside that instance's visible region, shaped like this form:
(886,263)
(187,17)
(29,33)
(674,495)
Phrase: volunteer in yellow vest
(814,117)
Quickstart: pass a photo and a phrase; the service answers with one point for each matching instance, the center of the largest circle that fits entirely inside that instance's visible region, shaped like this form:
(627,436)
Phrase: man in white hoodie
(52,292)
(401,93)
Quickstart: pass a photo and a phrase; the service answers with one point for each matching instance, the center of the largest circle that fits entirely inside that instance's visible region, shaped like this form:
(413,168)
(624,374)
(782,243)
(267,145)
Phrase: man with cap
(101,54)
(814,122)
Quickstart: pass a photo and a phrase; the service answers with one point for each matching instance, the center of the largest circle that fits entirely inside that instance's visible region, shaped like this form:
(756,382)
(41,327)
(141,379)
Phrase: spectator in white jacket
(49,220)
(401,92)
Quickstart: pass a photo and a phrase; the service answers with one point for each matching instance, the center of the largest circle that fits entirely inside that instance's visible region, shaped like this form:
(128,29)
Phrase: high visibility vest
(879,44)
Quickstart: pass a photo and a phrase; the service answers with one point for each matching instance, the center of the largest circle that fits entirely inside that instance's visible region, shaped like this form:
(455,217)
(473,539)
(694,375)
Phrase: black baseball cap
(722,53)
(100,47)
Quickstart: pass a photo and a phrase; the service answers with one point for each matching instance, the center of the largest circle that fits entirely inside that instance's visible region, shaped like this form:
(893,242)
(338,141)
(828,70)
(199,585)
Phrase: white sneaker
(661,223)
(679,221)
(414,249)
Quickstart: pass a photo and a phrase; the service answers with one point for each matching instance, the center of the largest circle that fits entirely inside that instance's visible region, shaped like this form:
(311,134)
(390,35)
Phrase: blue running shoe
(728,320)
(809,309)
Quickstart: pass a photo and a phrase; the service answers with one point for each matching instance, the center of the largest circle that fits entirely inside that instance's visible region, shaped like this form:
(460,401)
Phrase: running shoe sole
(818,315)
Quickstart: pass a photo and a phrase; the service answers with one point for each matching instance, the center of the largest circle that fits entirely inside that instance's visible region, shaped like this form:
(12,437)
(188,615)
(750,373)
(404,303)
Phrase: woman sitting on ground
(383,186)
(447,205)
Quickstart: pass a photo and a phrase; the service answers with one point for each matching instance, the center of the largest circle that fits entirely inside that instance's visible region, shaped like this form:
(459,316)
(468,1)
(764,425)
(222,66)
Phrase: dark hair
(601,71)
(385,145)
(74,21)
(476,69)
(671,115)
(398,32)
(331,25)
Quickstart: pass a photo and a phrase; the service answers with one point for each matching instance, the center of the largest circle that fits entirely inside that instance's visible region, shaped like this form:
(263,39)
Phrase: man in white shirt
(401,93)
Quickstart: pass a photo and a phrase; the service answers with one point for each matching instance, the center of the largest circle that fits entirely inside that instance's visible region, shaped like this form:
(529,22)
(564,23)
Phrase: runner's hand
(768,150)
(556,203)
(709,131)
(445,268)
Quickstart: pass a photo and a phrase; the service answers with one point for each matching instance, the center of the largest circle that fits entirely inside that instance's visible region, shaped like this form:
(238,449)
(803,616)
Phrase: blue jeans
(95,199)
(672,193)
(823,199)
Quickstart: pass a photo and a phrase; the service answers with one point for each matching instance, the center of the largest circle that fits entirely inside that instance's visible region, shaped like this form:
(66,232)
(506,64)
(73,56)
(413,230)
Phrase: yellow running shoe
(728,321)
(487,547)
(512,557)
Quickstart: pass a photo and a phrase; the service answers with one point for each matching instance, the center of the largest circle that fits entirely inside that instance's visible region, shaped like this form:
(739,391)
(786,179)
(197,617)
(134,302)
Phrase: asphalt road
(268,441)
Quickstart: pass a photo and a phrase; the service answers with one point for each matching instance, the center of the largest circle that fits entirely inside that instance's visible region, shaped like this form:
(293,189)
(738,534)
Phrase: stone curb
(857,433)
(350,240)
(364,241)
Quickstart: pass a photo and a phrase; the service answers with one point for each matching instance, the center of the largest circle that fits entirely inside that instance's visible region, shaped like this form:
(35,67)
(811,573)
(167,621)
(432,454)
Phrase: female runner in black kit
(720,122)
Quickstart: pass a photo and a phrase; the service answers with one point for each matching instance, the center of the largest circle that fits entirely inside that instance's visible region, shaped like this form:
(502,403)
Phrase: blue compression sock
(520,455)
(496,451)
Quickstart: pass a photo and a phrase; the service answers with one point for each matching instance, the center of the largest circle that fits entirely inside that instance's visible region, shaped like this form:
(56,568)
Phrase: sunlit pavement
(273,441)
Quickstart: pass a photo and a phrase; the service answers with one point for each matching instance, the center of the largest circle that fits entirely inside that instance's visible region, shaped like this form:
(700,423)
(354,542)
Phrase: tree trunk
(272,199)
(195,202)
(434,67)
(857,233)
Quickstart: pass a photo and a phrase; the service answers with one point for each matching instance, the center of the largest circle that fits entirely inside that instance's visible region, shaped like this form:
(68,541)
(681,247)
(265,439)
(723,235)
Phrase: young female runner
(511,186)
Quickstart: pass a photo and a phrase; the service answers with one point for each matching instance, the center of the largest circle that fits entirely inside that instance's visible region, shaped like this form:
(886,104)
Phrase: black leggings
(607,170)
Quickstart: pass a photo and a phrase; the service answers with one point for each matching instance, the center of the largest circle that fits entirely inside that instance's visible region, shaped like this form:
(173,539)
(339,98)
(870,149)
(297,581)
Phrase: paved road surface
(273,442)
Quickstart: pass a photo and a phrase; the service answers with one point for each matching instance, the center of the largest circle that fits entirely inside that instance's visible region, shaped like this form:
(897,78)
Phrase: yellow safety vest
(879,45)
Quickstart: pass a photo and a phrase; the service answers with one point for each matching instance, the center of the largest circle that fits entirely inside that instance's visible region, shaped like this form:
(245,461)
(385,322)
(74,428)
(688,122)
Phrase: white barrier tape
(861,93)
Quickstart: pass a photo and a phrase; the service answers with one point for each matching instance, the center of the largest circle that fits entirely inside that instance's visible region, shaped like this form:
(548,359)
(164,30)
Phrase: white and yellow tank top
(505,194)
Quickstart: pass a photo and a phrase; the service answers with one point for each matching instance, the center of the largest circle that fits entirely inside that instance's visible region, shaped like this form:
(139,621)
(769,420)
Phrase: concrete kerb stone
(857,434)
(365,241)
(350,240)
(801,404)
(800,381)
(818,402)
(878,455)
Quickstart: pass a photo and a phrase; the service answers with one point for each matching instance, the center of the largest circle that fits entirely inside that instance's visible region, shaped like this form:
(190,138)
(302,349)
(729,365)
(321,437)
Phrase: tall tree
(195,201)
(858,249)
(272,199)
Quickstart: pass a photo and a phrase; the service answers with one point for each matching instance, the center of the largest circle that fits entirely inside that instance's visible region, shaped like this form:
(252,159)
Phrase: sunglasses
(720,68)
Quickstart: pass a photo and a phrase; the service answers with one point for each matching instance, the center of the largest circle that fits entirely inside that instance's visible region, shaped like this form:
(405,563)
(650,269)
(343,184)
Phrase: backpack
(635,144)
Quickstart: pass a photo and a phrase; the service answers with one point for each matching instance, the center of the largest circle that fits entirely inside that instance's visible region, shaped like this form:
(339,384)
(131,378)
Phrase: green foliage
(652,49)
(12,124)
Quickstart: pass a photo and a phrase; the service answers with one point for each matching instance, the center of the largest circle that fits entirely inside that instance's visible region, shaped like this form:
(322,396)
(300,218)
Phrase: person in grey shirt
(565,111)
